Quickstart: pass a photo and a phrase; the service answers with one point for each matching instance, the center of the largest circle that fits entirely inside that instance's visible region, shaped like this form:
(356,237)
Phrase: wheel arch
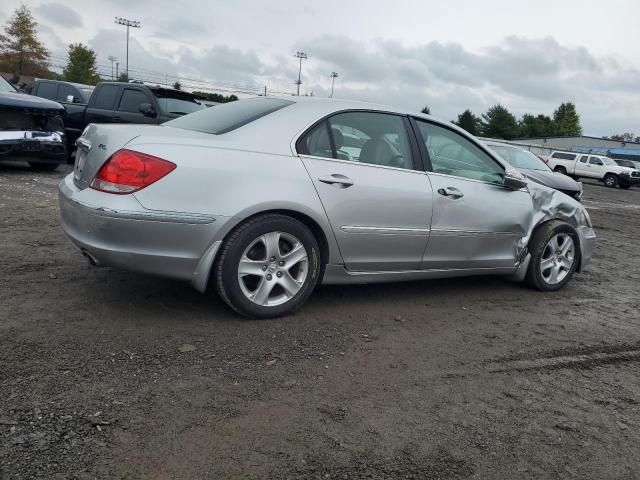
(564,221)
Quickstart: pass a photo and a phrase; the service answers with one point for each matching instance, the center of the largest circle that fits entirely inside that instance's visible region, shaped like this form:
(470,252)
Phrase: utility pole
(112,59)
(301,56)
(265,90)
(117,74)
(334,75)
(127,23)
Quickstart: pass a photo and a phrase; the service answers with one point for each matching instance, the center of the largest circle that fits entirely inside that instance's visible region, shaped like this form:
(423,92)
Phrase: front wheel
(555,253)
(268,266)
(610,180)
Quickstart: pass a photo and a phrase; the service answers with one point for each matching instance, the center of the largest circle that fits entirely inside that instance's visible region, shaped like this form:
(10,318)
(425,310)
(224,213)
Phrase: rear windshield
(229,116)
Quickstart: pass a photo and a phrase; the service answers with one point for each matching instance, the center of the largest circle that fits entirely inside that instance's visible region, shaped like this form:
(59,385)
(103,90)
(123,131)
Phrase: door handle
(451,192)
(336,179)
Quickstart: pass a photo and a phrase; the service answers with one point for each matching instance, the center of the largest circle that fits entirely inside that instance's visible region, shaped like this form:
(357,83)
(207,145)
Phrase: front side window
(48,90)
(373,138)
(583,159)
(64,91)
(131,100)
(595,161)
(452,154)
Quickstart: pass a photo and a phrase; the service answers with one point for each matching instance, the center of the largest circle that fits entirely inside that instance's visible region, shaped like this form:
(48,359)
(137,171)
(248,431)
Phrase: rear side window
(583,159)
(564,156)
(229,116)
(105,97)
(131,100)
(317,142)
(48,90)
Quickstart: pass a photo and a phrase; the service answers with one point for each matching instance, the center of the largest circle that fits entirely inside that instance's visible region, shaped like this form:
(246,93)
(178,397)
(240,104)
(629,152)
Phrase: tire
(544,247)
(271,268)
(610,180)
(43,167)
(561,170)
(624,184)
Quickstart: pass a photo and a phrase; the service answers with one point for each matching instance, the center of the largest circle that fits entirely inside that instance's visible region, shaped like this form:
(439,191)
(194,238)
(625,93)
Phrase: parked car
(31,129)
(582,165)
(258,198)
(535,169)
(625,181)
(121,102)
(74,97)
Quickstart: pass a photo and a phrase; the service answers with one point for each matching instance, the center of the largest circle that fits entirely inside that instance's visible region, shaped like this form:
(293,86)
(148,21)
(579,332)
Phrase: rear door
(102,103)
(128,109)
(366,170)
(477,222)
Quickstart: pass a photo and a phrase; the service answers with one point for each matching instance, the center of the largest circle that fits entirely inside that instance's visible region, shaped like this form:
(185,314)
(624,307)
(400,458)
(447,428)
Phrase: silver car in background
(262,199)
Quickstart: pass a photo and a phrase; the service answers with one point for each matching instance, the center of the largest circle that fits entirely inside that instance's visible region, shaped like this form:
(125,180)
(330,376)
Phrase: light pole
(112,59)
(334,75)
(300,56)
(127,23)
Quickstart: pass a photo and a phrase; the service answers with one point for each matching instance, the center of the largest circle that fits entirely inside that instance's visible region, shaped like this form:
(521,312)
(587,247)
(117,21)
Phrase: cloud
(60,14)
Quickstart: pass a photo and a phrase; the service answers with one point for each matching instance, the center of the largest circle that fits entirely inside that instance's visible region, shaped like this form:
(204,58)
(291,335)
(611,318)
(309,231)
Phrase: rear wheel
(555,253)
(43,167)
(610,180)
(561,170)
(268,267)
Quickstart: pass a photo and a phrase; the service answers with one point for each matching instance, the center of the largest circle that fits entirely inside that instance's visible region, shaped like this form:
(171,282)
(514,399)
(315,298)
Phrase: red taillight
(127,171)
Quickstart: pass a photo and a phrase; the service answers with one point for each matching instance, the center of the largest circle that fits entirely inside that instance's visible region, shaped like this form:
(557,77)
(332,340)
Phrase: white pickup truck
(593,166)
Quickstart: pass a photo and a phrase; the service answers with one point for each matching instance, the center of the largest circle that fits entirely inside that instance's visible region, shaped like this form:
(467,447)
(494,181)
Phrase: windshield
(181,103)
(608,161)
(6,86)
(86,93)
(519,158)
(229,116)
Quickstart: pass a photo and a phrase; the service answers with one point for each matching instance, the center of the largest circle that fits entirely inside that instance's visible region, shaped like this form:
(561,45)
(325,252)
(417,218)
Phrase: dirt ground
(109,374)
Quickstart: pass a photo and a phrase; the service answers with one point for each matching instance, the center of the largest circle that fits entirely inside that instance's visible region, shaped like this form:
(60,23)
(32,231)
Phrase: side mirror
(70,98)
(147,110)
(514,180)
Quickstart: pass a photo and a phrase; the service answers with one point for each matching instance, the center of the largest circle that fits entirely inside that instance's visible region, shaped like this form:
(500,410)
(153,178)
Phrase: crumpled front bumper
(33,146)
(117,231)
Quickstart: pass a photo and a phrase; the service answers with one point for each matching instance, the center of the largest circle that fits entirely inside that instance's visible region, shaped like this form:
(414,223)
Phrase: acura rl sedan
(265,198)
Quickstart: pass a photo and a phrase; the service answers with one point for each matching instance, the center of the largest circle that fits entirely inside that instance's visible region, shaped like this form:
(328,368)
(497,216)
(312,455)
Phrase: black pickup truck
(116,102)
(31,129)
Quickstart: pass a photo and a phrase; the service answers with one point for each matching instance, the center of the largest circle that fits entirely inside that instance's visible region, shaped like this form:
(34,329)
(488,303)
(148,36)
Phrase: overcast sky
(450,55)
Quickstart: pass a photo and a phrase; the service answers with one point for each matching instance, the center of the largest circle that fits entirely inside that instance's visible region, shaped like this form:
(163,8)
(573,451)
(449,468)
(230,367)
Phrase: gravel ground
(108,374)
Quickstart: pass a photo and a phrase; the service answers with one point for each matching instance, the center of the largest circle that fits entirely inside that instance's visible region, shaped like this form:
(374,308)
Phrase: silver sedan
(265,198)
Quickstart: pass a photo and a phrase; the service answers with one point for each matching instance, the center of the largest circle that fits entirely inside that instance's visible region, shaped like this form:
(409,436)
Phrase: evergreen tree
(177,86)
(498,122)
(469,122)
(426,110)
(81,66)
(20,50)
(537,126)
(123,77)
(567,120)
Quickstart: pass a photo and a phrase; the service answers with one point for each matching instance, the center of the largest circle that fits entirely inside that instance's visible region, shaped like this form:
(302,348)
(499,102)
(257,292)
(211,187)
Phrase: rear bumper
(587,243)
(33,146)
(115,230)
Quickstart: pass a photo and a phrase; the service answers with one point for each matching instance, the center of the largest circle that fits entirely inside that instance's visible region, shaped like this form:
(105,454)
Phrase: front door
(377,199)
(477,222)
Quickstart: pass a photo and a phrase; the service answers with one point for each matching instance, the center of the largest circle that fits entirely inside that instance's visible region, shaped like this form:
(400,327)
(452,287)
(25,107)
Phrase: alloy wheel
(273,269)
(557,258)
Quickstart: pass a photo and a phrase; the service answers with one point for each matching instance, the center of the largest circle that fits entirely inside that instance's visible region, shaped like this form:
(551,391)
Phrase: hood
(555,180)
(22,100)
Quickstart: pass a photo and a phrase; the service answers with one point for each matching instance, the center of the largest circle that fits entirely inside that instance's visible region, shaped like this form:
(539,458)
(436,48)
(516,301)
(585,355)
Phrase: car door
(102,103)
(582,166)
(477,222)
(366,170)
(128,109)
(596,168)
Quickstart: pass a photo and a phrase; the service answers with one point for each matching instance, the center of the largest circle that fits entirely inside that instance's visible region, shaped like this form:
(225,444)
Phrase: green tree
(123,77)
(537,126)
(426,110)
(81,66)
(215,97)
(469,122)
(498,122)
(567,120)
(624,137)
(20,50)
(177,86)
